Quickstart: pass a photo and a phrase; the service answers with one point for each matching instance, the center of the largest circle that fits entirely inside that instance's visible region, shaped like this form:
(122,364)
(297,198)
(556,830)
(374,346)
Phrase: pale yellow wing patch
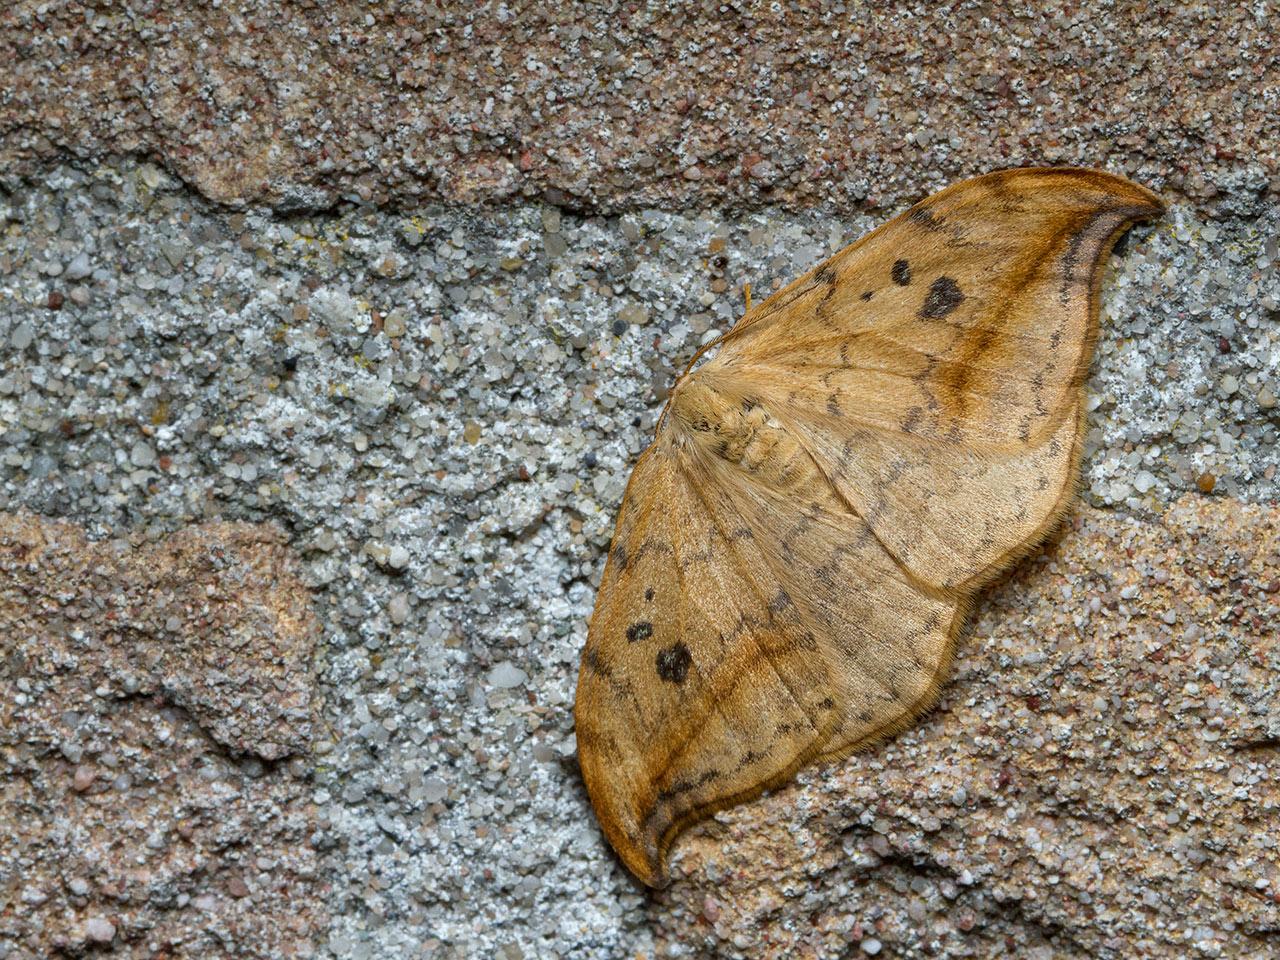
(950,513)
(885,637)
(748,622)
(934,369)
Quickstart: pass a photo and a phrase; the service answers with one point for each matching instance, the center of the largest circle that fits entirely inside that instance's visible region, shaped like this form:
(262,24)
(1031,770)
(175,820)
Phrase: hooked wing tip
(1141,202)
(639,849)
(649,870)
(623,808)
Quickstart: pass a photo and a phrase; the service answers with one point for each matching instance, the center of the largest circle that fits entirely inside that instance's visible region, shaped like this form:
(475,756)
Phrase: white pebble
(434,790)
(507,675)
(99,930)
(79,268)
(142,455)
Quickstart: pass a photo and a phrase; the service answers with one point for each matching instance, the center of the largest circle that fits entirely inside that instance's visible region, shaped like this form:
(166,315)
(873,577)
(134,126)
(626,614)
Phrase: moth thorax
(721,423)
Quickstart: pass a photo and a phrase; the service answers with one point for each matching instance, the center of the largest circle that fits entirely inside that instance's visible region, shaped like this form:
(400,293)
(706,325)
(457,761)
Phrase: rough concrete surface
(610,106)
(441,407)
(142,687)
(230,292)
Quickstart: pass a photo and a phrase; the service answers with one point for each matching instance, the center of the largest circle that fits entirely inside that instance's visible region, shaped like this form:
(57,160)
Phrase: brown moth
(801,544)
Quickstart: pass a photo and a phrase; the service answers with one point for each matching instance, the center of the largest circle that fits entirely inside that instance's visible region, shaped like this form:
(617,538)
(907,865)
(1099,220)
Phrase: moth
(830,489)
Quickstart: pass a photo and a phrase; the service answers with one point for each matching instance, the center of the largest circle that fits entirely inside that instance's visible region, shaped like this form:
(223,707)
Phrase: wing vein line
(927,589)
(878,677)
(864,368)
(678,750)
(763,601)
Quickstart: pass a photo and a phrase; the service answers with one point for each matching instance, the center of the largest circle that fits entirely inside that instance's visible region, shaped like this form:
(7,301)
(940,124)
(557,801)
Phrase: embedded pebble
(142,454)
(506,676)
(78,268)
(99,930)
(398,609)
(434,790)
(84,778)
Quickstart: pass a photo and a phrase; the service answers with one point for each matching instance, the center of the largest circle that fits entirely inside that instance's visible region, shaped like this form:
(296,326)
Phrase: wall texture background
(328,334)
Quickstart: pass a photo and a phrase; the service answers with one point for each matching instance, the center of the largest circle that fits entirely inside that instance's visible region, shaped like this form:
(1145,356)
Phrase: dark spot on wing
(685,785)
(648,594)
(833,405)
(824,310)
(620,556)
(825,274)
(780,602)
(650,546)
(867,295)
(901,272)
(597,665)
(923,218)
(1037,391)
(944,296)
(673,663)
(642,630)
